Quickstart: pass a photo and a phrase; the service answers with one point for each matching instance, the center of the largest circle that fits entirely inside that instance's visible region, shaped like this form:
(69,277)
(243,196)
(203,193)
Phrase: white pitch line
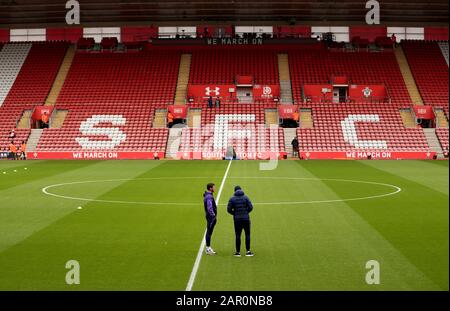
(203,243)
(45,190)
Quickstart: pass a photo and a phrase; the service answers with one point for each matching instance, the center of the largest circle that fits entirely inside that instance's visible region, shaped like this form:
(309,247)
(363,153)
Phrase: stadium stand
(221,66)
(122,89)
(444,49)
(442,135)
(429,69)
(12,57)
(379,128)
(318,66)
(32,69)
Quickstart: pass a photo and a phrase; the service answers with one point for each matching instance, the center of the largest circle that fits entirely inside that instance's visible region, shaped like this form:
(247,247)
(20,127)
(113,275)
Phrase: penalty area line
(203,243)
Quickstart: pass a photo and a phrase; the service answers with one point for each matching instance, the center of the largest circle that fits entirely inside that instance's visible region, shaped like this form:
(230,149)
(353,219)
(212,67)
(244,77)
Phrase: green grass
(122,245)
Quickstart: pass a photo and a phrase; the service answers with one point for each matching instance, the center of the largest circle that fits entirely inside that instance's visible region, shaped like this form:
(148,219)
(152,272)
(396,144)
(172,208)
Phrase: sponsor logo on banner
(216,91)
(367,91)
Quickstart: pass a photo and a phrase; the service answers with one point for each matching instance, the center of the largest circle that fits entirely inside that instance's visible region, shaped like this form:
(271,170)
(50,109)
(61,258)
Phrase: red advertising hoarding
(178,111)
(375,155)
(198,155)
(204,91)
(40,110)
(424,112)
(287,111)
(266,91)
(94,155)
(366,92)
(318,92)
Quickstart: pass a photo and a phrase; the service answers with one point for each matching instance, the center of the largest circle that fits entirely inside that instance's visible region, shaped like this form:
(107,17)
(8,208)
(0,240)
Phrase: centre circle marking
(396,190)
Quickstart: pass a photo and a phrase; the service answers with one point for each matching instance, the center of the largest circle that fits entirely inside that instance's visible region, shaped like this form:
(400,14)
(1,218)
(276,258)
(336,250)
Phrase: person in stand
(217,102)
(12,150)
(294,144)
(12,134)
(210,102)
(394,40)
(18,154)
(295,116)
(169,119)
(23,149)
(240,207)
(45,119)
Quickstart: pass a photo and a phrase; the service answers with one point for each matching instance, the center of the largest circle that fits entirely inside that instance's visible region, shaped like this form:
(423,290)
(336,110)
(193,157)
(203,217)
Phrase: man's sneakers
(210,251)
(247,254)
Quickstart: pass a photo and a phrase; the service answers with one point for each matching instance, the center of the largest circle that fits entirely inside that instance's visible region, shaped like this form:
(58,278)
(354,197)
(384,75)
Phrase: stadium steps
(61,76)
(433,141)
(289,134)
(159,120)
(444,50)
(410,83)
(33,139)
(408,118)
(441,119)
(285,79)
(306,120)
(183,79)
(271,116)
(12,57)
(194,118)
(173,143)
(58,118)
(24,122)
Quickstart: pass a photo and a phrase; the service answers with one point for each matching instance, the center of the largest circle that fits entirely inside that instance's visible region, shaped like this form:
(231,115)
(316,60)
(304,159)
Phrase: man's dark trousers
(239,225)
(210,224)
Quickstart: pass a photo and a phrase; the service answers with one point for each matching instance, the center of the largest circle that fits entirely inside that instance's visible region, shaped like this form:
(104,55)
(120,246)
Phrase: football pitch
(315,225)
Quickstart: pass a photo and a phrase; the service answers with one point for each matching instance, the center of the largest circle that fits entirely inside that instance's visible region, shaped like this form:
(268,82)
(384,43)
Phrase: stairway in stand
(441,119)
(285,79)
(159,121)
(289,134)
(183,79)
(433,141)
(407,76)
(408,117)
(34,139)
(173,143)
(61,76)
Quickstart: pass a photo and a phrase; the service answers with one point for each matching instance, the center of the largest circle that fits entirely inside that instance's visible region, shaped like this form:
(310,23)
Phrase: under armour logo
(209,91)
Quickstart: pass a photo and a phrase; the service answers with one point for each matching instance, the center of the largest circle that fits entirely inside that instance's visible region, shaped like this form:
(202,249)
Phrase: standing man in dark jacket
(240,206)
(211,215)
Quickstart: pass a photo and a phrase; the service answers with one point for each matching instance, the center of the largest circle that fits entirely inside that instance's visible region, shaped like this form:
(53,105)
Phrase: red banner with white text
(380,155)
(424,112)
(287,111)
(198,155)
(40,110)
(178,111)
(94,155)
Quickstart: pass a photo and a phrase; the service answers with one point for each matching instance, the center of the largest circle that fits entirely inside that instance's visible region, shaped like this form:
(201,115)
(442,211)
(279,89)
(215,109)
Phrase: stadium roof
(27,12)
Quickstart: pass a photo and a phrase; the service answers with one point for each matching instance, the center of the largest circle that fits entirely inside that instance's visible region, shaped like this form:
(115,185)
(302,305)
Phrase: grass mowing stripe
(36,171)
(38,211)
(436,177)
(202,244)
(415,221)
